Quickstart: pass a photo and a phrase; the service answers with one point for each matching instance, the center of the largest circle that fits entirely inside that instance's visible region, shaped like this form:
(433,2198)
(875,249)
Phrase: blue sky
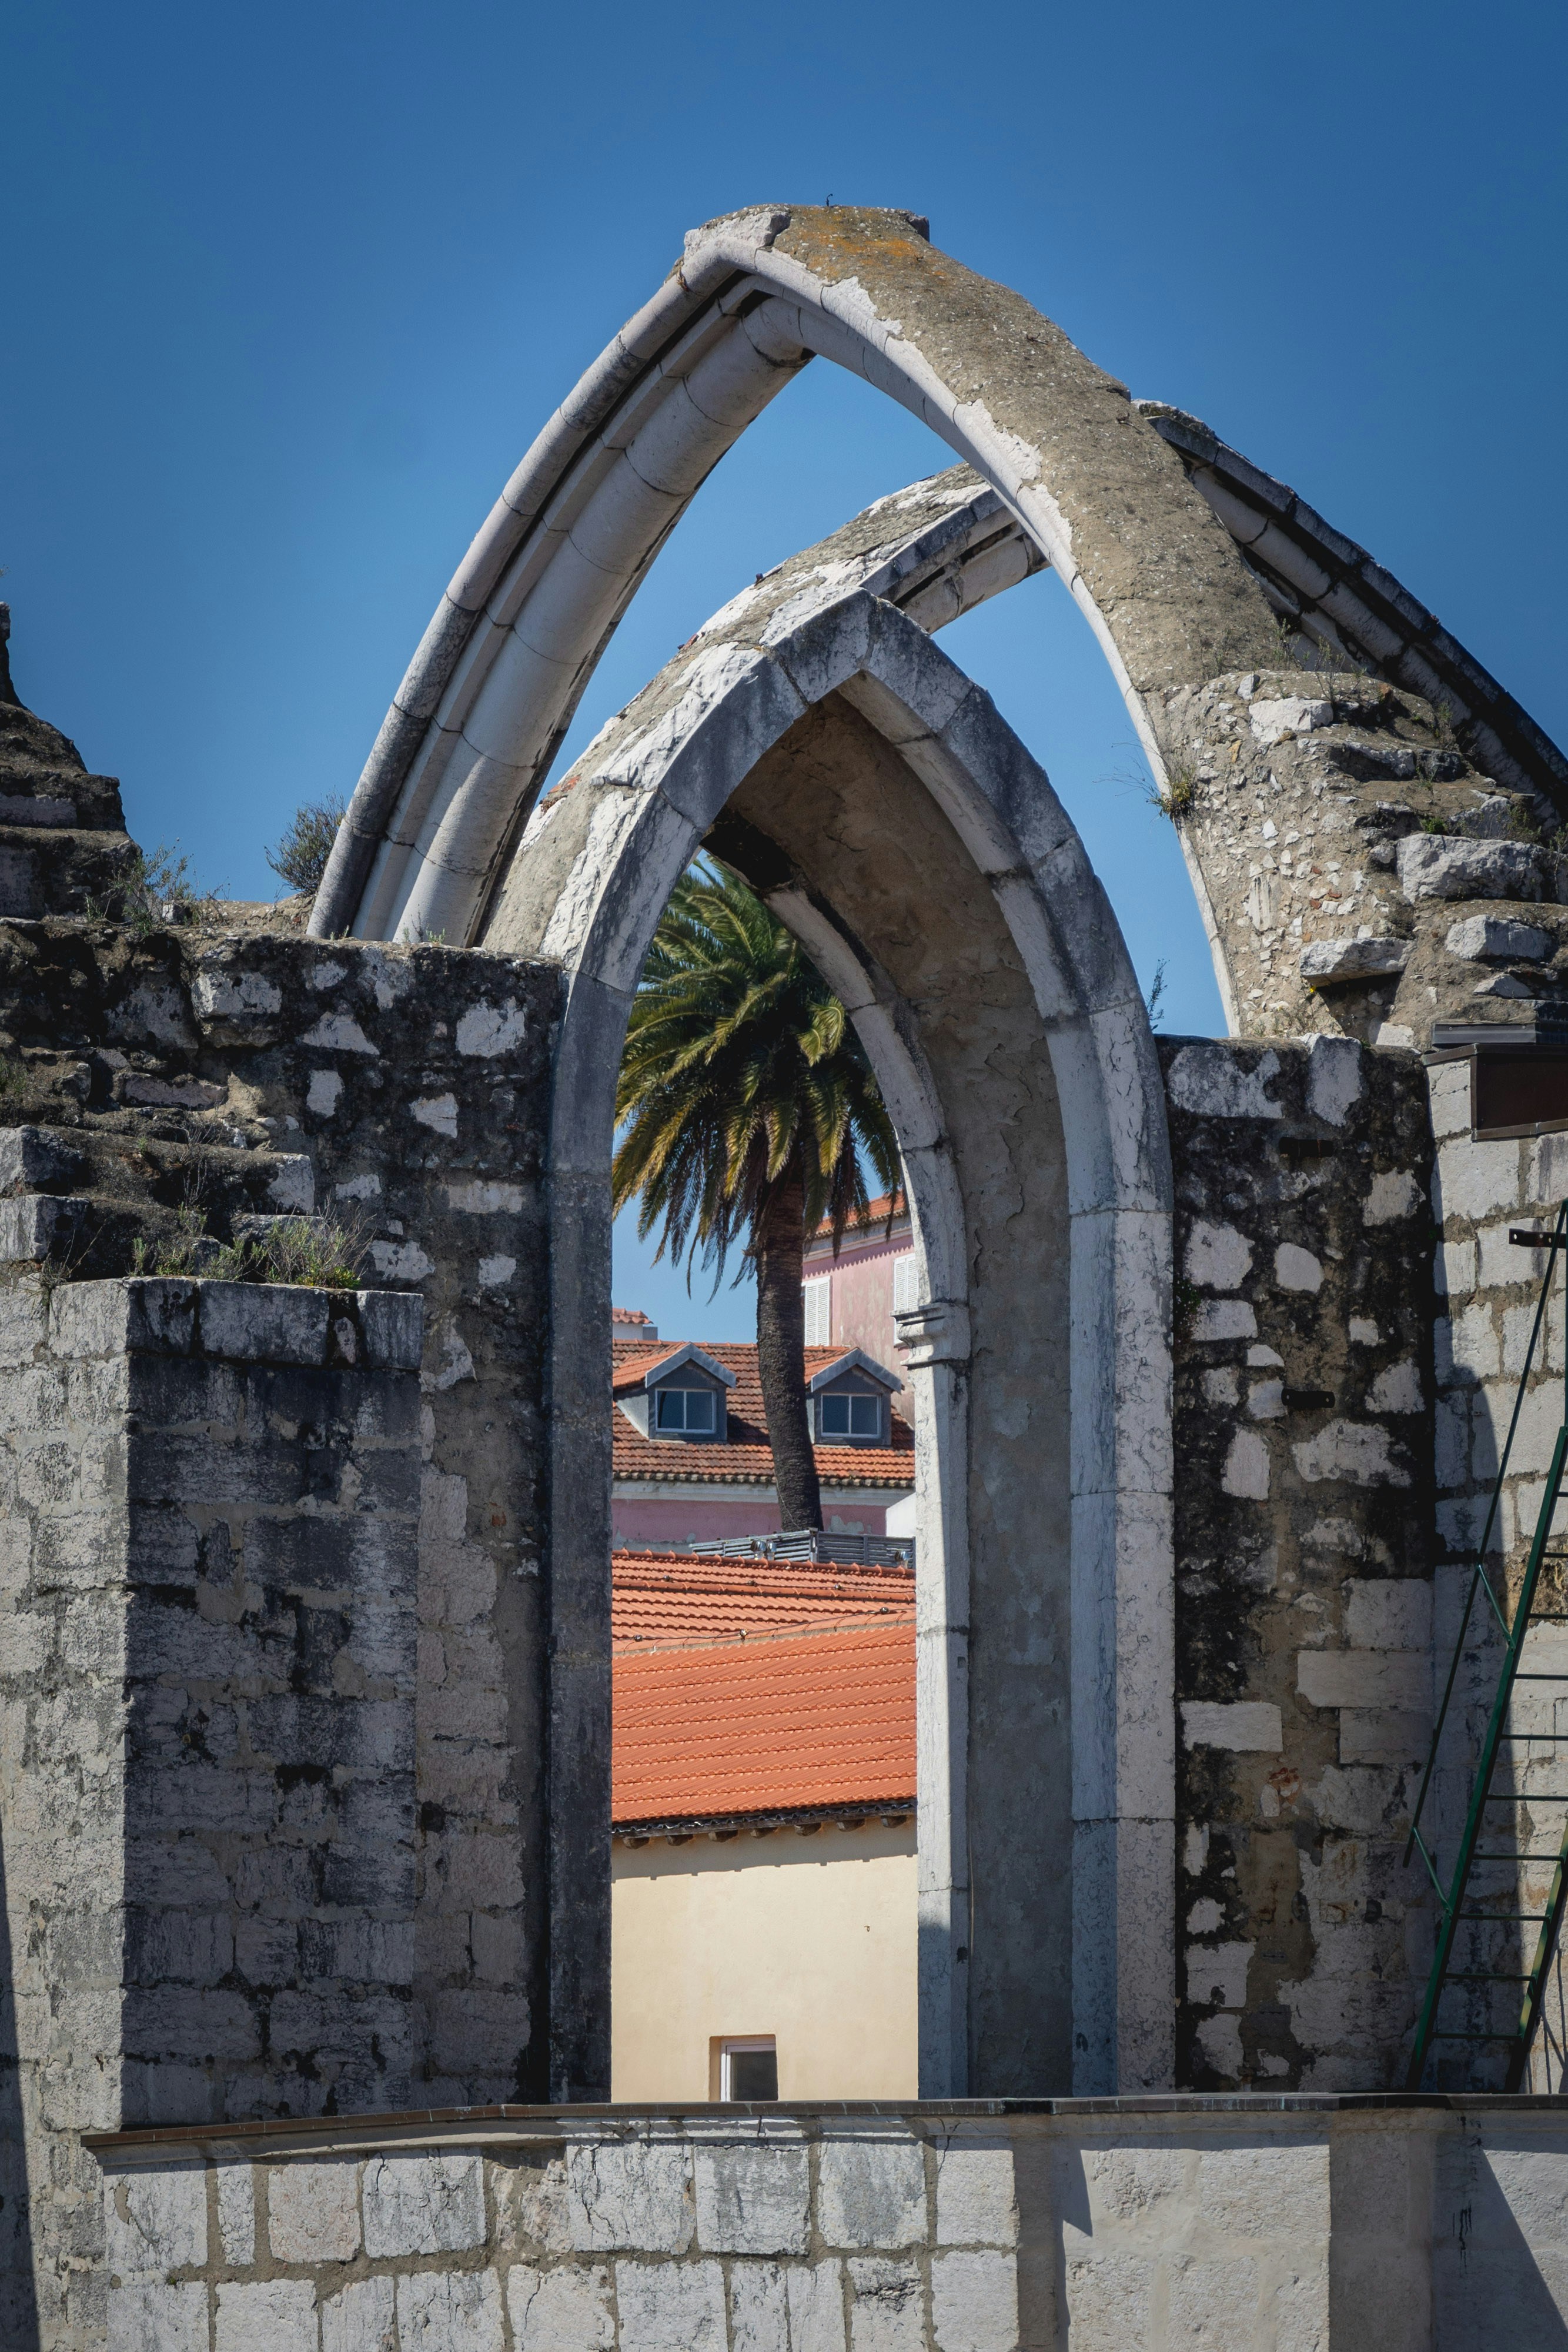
(289,291)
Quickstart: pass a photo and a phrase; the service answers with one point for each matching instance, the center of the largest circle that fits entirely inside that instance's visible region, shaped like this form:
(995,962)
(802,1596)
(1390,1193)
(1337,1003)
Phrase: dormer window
(687,1413)
(850,1398)
(680,1394)
(847,1415)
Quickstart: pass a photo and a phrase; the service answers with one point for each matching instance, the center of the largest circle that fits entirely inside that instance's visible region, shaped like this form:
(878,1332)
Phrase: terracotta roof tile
(877,1213)
(671,1599)
(788,1722)
(746,1459)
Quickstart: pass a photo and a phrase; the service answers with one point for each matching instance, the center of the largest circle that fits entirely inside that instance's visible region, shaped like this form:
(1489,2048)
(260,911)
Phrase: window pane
(688,1409)
(865,1416)
(835,1416)
(753,2073)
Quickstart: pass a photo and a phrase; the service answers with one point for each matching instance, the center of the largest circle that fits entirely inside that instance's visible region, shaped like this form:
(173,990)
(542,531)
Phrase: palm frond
(740,1067)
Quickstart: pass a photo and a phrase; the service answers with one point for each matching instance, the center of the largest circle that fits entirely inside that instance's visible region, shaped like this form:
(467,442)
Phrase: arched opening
(889,817)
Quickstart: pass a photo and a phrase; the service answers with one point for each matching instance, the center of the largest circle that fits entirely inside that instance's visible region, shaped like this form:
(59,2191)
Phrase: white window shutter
(905,1294)
(815,1293)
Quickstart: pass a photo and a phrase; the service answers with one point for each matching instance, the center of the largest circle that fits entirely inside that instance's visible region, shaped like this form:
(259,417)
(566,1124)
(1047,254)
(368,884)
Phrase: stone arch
(1205,583)
(893,822)
(487,700)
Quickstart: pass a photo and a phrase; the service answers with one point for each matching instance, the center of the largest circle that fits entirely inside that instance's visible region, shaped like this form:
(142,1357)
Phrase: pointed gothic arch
(891,820)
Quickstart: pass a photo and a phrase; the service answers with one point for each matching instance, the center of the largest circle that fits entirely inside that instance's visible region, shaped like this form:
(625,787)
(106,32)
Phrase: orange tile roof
(746,1459)
(877,1213)
(786,1723)
(673,1599)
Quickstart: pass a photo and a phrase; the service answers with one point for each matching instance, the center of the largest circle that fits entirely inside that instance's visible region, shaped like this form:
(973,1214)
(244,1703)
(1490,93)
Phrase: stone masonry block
(264,1322)
(752,2198)
(1217,2298)
(1279,2190)
(1472,1180)
(671,2306)
(1242,1725)
(160,2319)
(630,2193)
(815,2293)
(1388,1614)
(759,2307)
(1365,1679)
(24,1317)
(1494,936)
(885,2314)
(32,1226)
(566,2309)
(977,2197)
(359,2319)
(391,1324)
(433,2203)
(871,2191)
(1445,866)
(975,2302)
(293,1187)
(265,2315)
(35,1158)
(236,2213)
(150,1314)
(313,2212)
(449,2311)
(1110,2298)
(157,2219)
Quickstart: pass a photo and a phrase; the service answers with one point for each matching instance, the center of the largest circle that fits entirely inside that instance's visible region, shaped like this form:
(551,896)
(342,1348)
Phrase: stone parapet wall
(1303,1487)
(1343,2225)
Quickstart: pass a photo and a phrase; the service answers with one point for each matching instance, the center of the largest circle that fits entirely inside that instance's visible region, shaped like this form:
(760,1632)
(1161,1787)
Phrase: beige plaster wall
(812,1939)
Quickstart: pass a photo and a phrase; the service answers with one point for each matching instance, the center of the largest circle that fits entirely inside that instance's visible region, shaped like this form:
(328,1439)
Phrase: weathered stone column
(207,1588)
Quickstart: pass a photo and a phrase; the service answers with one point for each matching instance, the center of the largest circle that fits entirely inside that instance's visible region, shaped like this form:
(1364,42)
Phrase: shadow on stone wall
(18,2302)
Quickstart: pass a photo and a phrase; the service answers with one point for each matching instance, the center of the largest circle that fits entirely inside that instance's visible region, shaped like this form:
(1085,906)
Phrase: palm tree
(749,1111)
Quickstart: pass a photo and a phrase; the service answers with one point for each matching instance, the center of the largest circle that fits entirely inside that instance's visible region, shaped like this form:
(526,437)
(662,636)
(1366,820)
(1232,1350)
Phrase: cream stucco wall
(812,1939)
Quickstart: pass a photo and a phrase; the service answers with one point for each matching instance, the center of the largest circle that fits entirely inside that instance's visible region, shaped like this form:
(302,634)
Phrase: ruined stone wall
(1329,820)
(1343,2225)
(206,1726)
(408,1091)
(1303,1561)
(1488,1292)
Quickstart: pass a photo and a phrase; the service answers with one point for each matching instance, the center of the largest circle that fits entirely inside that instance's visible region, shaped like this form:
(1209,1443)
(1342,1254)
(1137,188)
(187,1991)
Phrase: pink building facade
(852,1300)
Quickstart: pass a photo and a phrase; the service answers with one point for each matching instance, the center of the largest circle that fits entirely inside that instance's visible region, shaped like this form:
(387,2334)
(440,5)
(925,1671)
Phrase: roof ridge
(627,1647)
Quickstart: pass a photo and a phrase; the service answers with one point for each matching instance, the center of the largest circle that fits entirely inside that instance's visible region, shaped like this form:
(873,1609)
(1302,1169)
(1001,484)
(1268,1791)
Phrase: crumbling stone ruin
(304,1690)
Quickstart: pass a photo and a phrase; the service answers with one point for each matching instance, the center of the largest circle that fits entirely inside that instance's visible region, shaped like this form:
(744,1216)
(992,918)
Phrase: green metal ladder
(1468,1902)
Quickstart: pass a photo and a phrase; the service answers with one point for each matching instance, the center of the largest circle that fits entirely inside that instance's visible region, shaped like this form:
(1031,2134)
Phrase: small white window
(849,1417)
(816,1296)
(748,2068)
(690,1411)
(905,1286)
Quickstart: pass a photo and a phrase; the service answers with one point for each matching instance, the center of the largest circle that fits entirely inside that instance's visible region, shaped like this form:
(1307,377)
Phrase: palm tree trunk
(779,1247)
